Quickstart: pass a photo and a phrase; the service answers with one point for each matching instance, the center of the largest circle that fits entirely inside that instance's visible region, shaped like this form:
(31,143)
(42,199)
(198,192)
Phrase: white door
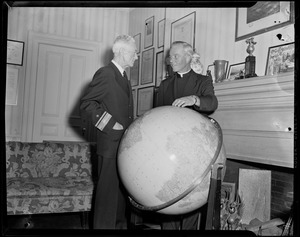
(62,73)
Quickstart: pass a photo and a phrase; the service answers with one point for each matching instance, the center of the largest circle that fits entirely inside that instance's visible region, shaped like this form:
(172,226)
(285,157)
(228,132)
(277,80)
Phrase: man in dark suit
(108,103)
(185,88)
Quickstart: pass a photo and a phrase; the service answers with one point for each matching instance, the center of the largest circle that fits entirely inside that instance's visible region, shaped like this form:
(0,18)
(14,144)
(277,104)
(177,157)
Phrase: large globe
(165,159)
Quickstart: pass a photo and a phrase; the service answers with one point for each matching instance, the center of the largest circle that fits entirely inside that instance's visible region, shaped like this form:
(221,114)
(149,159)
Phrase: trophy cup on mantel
(250,60)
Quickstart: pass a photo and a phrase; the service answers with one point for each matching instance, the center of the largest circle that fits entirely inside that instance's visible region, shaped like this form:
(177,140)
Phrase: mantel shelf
(257,118)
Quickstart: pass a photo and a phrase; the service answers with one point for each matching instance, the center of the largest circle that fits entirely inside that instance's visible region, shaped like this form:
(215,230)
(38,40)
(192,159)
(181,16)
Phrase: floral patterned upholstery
(49,177)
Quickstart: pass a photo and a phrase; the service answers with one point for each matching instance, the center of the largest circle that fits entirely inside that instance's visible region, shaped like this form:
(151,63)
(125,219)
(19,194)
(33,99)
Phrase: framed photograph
(15,51)
(134,102)
(281,58)
(159,68)
(230,189)
(134,72)
(147,66)
(236,71)
(262,17)
(184,29)
(161,33)
(137,39)
(12,77)
(145,100)
(149,28)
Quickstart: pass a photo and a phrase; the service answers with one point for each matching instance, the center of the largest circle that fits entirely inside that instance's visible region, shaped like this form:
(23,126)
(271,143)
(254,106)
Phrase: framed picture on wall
(12,77)
(137,39)
(15,51)
(161,33)
(262,17)
(184,29)
(149,32)
(147,66)
(159,67)
(134,102)
(134,72)
(281,58)
(144,100)
(236,71)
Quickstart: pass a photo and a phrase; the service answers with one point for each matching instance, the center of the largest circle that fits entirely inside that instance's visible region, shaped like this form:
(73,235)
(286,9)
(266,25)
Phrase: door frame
(34,40)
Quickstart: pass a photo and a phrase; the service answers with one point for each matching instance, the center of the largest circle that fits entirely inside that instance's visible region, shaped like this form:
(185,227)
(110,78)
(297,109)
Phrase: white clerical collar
(118,66)
(182,73)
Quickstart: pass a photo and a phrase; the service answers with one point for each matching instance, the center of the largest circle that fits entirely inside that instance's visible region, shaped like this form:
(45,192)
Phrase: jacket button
(97,115)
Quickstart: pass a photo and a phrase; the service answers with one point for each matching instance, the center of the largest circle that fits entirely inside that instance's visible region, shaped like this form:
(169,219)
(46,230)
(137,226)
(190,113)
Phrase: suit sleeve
(206,93)
(92,105)
(159,97)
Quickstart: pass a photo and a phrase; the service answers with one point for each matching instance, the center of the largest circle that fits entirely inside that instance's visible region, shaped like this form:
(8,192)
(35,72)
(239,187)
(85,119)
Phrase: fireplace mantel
(257,118)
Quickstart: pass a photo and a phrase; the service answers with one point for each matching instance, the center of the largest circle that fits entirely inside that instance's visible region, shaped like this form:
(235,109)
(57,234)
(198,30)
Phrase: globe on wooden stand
(165,159)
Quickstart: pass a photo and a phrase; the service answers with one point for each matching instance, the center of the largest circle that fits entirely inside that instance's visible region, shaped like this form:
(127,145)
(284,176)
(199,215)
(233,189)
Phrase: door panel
(62,73)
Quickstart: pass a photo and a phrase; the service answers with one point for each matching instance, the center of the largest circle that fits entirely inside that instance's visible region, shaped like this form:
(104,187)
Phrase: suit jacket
(196,84)
(107,100)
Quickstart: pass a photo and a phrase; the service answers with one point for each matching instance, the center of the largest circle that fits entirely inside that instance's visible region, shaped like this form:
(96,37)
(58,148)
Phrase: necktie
(125,75)
(127,81)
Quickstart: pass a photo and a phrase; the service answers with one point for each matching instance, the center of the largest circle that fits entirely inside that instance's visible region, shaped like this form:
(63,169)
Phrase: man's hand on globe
(184,101)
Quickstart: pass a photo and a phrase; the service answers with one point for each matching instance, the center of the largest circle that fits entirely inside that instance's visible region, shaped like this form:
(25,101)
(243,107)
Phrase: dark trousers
(110,202)
(181,222)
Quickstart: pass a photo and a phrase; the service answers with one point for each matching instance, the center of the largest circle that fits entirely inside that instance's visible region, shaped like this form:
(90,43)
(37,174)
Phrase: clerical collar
(118,66)
(182,73)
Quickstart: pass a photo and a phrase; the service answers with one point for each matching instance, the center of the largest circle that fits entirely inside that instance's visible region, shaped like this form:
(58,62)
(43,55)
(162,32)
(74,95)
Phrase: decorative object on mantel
(196,64)
(220,70)
(250,59)
(236,71)
(281,58)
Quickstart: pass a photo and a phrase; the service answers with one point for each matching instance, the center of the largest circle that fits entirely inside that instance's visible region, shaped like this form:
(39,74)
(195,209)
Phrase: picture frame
(159,67)
(134,93)
(15,52)
(12,84)
(161,33)
(234,72)
(147,66)
(183,29)
(134,72)
(144,99)
(137,39)
(281,58)
(210,70)
(149,30)
(263,17)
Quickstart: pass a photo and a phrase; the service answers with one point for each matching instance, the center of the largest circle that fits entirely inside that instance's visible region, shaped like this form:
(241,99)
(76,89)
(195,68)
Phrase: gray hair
(121,41)
(186,46)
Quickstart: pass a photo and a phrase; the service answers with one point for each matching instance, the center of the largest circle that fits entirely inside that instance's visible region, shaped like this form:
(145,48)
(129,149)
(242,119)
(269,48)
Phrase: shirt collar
(182,73)
(118,66)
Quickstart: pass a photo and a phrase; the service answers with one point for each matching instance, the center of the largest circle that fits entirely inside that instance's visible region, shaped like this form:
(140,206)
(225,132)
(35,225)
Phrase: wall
(92,24)
(214,34)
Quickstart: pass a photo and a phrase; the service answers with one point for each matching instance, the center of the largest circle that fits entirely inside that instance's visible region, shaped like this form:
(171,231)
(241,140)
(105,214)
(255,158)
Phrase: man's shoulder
(201,77)
(108,69)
